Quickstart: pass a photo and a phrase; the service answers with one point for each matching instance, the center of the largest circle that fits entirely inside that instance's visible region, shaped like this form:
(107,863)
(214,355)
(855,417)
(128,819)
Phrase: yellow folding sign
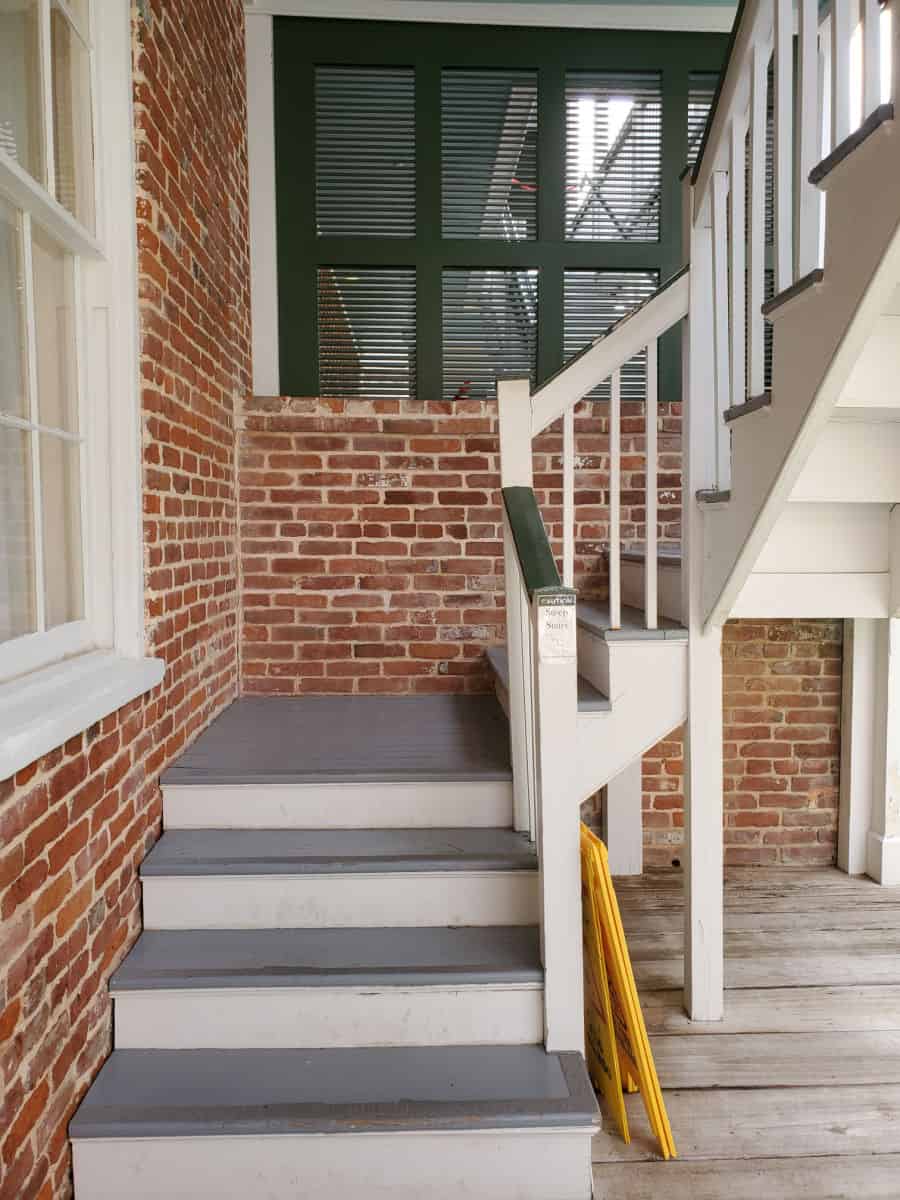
(618,1048)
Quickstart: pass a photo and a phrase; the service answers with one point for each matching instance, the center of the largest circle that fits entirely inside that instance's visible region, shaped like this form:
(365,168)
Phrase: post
(623,827)
(559,851)
(857,731)
(883,858)
(514,406)
(703,872)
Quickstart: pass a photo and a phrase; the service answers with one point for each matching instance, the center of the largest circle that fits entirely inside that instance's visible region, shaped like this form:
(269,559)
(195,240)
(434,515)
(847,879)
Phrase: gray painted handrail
(536,559)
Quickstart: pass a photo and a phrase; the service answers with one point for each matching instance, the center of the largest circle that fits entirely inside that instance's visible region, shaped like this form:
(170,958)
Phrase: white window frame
(56,683)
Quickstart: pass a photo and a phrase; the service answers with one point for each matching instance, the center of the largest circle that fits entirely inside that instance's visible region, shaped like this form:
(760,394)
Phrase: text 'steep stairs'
(339,988)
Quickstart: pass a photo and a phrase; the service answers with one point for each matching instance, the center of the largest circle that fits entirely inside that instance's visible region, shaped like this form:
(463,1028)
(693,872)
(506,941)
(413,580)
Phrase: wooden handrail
(533,550)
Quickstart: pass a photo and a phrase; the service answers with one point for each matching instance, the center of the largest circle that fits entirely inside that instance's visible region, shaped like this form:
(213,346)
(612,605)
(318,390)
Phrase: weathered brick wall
(75,825)
(782,696)
(371,536)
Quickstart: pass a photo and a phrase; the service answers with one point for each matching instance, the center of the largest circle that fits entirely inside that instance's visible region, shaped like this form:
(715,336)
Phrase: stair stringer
(648,694)
(818,338)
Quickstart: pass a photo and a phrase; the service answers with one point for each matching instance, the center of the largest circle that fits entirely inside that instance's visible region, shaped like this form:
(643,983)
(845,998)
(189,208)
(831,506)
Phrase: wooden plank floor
(796,1094)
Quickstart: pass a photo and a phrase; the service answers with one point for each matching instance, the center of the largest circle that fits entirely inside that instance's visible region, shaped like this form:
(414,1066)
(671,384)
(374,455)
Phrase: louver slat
(613,156)
(367,331)
(489,154)
(365,152)
(701,90)
(489,327)
(595,300)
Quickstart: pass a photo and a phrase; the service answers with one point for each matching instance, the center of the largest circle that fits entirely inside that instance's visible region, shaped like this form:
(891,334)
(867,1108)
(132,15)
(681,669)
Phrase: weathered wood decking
(796,1094)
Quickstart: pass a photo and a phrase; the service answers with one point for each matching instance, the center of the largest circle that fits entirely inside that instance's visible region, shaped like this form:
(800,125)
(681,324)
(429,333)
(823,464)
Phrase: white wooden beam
(623,826)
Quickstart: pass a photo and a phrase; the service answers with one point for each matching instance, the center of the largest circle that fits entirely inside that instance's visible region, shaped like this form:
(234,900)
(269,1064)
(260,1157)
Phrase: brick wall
(782,696)
(75,825)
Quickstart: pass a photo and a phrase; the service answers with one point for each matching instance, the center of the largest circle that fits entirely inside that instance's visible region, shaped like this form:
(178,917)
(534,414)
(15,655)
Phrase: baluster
(870,12)
(824,116)
(568,482)
(615,461)
(651,497)
(784,143)
(808,196)
(842,20)
(737,201)
(757,240)
(720,320)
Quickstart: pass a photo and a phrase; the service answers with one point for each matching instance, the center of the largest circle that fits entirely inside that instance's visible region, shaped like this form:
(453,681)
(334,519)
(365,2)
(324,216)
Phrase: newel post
(514,405)
(556,720)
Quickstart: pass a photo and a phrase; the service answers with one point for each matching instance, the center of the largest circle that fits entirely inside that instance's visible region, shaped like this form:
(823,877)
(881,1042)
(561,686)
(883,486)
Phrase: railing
(829,74)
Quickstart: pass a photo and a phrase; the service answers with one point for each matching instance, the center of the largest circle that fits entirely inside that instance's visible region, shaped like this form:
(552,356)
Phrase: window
(701,92)
(68,492)
(481,201)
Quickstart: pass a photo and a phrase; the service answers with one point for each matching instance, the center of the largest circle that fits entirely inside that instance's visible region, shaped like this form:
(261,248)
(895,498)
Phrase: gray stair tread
(178,1093)
(594,617)
(242,958)
(810,280)
(335,851)
(590,699)
(883,113)
(315,739)
(665,556)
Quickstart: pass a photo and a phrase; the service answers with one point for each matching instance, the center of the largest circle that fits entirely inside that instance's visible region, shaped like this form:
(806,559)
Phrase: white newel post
(514,406)
(883,860)
(703,788)
(559,853)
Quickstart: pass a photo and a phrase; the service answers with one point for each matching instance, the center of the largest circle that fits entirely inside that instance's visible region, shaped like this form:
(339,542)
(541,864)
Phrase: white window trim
(42,708)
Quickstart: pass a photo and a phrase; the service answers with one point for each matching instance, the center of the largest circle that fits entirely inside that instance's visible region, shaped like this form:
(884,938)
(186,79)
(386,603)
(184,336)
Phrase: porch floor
(797,1092)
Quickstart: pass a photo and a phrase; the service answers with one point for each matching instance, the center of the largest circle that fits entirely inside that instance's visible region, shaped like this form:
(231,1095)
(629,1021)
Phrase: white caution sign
(556,628)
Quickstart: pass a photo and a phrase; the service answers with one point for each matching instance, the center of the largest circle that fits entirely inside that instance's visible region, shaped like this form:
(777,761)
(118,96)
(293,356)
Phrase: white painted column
(883,862)
(622,822)
(703,859)
(857,731)
(261,168)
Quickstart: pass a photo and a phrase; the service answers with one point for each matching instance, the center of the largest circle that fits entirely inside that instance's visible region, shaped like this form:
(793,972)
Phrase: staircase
(339,989)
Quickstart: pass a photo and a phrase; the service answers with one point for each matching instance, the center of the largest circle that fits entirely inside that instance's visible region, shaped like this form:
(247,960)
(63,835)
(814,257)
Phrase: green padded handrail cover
(532,545)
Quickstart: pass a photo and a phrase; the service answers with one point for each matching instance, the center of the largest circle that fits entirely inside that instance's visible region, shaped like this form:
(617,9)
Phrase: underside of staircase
(339,986)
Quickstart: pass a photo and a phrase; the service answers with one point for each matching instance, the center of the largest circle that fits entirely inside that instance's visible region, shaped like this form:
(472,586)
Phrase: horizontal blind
(701,91)
(365,152)
(593,301)
(613,156)
(367,331)
(489,328)
(489,154)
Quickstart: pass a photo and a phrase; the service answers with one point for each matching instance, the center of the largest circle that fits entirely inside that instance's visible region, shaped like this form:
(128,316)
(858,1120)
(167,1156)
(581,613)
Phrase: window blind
(367,331)
(593,301)
(489,328)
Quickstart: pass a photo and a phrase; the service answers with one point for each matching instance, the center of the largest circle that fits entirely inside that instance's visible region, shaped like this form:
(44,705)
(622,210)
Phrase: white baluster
(720,309)
(568,482)
(651,496)
(738,282)
(784,143)
(808,203)
(756,289)
(842,21)
(615,469)
(870,12)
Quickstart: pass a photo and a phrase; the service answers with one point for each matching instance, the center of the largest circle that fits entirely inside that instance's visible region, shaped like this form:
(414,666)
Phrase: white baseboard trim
(883,859)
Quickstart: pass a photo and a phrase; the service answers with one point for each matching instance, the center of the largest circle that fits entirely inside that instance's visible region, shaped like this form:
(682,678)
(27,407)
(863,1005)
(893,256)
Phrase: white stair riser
(492,1165)
(329,901)
(254,1018)
(339,806)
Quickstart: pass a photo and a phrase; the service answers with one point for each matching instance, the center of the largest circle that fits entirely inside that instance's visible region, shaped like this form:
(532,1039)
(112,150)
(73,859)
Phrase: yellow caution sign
(618,1049)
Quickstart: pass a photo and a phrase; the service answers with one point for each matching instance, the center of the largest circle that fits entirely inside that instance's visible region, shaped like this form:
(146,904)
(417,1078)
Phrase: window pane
(489,154)
(367,331)
(20,91)
(701,90)
(54,333)
(12,323)
(73,142)
(613,156)
(489,328)
(593,302)
(17,609)
(365,151)
(61,505)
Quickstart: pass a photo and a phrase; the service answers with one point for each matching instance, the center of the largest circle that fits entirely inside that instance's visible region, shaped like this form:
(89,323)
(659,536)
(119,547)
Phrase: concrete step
(242,988)
(499,1122)
(285,879)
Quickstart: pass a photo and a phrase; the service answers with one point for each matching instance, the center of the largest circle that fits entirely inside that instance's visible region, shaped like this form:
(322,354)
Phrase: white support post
(719,327)
(568,482)
(883,859)
(615,483)
(559,849)
(784,144)
(857,731)
(651,491)
(757,220)
(514,406)
(703,878)
(808,198)
(870,11)
(737,201)
(623,826)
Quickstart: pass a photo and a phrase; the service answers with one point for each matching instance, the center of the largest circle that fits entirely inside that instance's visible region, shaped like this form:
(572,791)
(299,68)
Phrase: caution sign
(618,1049)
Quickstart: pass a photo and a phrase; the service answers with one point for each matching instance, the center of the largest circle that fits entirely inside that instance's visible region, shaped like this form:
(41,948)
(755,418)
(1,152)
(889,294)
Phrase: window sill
(42,710)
